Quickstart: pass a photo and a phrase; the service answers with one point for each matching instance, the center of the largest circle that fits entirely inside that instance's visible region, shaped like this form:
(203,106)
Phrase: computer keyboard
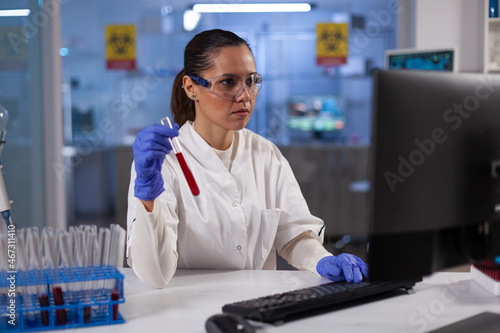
(305,302)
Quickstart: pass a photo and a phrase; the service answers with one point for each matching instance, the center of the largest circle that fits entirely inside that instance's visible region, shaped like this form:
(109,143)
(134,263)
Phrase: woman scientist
(250,204)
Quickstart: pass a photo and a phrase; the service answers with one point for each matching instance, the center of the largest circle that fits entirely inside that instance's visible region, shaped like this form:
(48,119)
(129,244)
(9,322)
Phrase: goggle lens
(230,87)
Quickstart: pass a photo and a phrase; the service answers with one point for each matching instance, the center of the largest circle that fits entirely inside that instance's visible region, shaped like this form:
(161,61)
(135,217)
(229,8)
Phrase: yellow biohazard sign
(120,47)
(332,43)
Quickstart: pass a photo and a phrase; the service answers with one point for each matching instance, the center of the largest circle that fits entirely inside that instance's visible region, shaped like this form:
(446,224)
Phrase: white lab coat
(239,218)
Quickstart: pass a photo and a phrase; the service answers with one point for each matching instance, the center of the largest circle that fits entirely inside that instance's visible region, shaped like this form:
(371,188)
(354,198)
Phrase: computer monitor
(435,172)
(415,59)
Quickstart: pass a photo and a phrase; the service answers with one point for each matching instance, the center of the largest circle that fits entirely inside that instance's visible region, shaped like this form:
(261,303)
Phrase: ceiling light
(191,19)
(251,7)
(14,12)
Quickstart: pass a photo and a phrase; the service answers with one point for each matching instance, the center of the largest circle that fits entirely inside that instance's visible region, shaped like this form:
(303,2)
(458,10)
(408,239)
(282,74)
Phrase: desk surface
(194,295)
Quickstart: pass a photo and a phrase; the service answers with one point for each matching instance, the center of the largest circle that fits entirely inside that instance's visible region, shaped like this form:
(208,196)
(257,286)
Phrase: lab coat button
(235,204)
(238,247)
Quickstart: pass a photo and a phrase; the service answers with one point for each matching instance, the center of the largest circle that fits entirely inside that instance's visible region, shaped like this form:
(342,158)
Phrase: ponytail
(181,106)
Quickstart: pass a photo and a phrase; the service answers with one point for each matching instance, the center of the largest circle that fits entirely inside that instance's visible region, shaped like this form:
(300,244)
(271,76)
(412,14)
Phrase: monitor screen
(435,172)
(434,60)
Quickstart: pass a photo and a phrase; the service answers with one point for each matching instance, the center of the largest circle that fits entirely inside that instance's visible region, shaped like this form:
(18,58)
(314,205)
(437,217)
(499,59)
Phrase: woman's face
(214,113)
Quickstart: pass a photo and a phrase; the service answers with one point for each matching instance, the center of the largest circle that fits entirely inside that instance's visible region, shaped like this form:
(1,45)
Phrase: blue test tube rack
(83,306)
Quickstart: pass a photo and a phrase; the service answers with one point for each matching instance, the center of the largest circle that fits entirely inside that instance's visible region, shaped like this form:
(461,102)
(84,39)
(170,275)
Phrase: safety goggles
(230,87)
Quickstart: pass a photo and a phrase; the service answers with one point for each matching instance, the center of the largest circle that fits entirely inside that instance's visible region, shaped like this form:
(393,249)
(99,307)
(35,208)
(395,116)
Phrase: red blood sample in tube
(86,314)
(59,300)
(187,173)
(115,296)
(44,301)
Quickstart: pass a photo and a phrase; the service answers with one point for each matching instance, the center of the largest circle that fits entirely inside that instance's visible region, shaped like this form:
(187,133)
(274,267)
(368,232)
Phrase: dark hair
(199,56)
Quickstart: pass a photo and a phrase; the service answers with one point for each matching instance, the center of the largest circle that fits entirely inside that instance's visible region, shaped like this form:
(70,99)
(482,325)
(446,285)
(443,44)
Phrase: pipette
(3,268)
(4,198)
(176,147)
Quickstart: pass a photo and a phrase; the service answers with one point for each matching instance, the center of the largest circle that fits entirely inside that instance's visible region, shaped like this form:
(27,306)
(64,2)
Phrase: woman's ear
(189,86)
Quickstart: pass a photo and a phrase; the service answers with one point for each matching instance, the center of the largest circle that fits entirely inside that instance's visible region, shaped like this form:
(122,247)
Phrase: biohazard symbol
(333,40)
(121,42)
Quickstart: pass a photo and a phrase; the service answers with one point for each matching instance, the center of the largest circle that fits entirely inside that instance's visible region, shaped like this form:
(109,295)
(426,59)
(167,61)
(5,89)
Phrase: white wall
(449,23)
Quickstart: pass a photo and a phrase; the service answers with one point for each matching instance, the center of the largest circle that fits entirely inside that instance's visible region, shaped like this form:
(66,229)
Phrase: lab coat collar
(194,145)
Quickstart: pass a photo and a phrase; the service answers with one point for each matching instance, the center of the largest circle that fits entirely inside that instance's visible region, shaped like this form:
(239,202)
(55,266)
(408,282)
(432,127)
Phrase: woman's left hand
(342,267)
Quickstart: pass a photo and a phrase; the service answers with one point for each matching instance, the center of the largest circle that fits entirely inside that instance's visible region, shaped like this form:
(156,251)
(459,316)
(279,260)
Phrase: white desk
(194,295)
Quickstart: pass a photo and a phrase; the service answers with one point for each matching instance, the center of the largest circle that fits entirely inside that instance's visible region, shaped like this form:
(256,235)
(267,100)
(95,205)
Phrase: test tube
(104,244)
(65,250)
(176,147)
(21,257)
(76,260)
(100,284)
(94,261)
(35,262)
(51,258)
(22,265)
(89,242)
(116,257)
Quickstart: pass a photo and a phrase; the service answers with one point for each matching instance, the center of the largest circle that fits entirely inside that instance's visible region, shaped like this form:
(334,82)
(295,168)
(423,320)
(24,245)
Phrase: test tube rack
(90,298)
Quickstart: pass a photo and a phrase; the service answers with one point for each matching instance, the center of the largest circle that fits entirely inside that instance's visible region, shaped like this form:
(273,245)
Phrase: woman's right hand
(150,148)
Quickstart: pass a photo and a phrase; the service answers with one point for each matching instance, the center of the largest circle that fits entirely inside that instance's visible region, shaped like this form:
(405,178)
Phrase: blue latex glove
(342,267)
(150,148)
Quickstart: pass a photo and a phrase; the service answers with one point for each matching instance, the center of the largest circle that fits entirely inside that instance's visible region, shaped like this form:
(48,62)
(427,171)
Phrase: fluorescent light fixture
(191,19)
(14,12)
(251,7)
